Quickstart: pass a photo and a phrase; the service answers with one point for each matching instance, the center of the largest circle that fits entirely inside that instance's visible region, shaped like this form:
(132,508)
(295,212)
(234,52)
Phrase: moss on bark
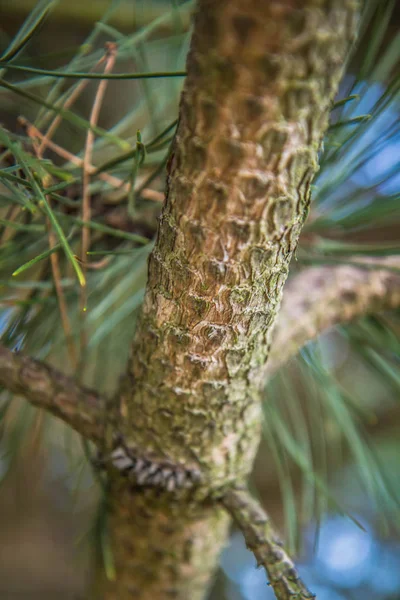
(261,80)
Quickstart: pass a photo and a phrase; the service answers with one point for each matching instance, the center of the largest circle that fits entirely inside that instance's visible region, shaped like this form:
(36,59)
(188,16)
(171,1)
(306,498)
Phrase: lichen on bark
(261,80)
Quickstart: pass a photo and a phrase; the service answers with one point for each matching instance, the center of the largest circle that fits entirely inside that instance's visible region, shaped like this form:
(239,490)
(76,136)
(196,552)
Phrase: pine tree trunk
(261,79)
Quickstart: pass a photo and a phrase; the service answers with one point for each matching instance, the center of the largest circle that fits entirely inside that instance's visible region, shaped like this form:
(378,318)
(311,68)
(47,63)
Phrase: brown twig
(153,195)
(47,388)
(91,169)
(86,197)
(76,92)
(55,263)
(62,304)
(112,181)
(11,215)
(95,266)
(262,540)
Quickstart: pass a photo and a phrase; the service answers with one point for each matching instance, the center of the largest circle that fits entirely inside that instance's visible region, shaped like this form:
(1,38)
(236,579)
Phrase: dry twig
(86,207)
(55,263)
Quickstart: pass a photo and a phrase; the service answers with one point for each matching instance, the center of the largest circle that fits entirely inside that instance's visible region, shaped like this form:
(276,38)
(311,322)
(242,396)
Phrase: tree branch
(262,540)
(49,389)
(253,112)
(320,297)
(261,80)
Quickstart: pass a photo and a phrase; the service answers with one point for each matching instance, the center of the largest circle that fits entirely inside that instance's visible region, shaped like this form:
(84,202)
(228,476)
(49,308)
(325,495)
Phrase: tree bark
(262,540)
(47,388)
(261,80)
(319,298)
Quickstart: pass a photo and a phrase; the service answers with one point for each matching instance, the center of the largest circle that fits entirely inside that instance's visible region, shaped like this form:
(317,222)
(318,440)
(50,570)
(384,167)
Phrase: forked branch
(320,297)
(262,540)
(47,388)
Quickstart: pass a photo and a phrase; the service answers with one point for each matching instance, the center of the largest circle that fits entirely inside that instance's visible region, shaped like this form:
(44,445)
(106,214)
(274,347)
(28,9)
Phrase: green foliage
(41,193)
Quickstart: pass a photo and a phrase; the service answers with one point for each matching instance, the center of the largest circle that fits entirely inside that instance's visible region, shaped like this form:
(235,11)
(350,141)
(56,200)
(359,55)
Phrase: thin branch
(153,195)
(11,216)
(47,388)
(55,264)
(67,104)
(86,195)
(112,180)
(320,297)
(62,303)
(94,117)
(262,540)
(72,158)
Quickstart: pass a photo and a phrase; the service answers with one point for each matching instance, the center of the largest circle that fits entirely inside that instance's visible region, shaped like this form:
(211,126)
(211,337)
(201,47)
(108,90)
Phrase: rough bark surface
(266,546)
(261,79)
(164,547)
(319,298)
(47,388)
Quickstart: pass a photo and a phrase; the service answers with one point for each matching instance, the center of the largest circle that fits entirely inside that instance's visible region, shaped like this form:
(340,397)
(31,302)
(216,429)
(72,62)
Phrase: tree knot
(144,470)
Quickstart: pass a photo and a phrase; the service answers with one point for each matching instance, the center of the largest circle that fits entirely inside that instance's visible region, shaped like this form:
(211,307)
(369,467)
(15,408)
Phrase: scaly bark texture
(163,546)
(262,540)
(319,298)
(261,80)
(47,388)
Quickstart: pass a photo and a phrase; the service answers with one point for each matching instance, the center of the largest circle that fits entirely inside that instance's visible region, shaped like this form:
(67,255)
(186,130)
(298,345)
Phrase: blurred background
(328,468)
